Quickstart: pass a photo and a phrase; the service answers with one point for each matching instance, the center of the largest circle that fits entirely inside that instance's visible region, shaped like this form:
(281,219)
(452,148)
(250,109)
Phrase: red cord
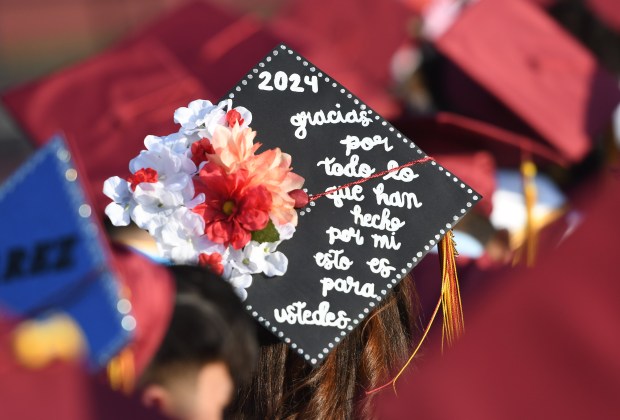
(373,176)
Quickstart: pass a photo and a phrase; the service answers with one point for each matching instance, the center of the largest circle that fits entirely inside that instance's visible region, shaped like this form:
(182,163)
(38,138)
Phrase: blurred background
(517,97)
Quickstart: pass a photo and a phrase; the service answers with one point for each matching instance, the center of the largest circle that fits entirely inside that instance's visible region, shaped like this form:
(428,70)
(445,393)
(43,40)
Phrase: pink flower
(272,169)
(143,175)
(233,208)
(232,148)
(212,262)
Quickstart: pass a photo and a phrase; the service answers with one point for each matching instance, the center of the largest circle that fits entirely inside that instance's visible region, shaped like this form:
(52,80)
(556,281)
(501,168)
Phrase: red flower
(232,210)
(143,175)
(212,261)
(200,150)
(233,116)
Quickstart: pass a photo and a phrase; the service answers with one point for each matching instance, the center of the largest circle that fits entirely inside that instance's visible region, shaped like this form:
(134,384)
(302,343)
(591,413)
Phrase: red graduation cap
(150,298)
(474,148)
(353,40)
(63,388)
(106,105)
(448,132)
(512,54)
(543,346)
(607,11)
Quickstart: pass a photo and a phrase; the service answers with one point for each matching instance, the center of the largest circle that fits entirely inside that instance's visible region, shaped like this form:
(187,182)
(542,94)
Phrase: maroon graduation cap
(513,66)
(106,105)
(542,345)
(473,148)
(353,39)
(607,11)
(61,390)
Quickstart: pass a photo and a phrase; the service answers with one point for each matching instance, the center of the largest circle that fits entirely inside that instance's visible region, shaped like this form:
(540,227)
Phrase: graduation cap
(457,137)
(536,331)
(510,64)
(342,42)
(607,11)
(197,50)
(61,286)
(66,389)
(372,206)
(52,256)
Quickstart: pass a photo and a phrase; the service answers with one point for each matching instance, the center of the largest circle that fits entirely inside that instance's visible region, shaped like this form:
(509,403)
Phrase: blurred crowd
(519,98)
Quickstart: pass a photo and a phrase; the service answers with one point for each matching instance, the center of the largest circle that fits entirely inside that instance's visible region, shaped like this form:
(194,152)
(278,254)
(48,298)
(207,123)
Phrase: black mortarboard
(351,247)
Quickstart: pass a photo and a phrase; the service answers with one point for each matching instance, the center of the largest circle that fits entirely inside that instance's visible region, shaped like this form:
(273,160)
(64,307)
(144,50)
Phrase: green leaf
(268,234)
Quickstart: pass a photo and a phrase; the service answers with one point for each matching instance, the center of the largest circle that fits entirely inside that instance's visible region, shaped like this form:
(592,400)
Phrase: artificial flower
(285,231)
(200,118)
(232,209)
(272,169)
(234,117)
(178,143)
(162,157)
(259,258)
(212,261)
(239,282)
(238,115)
(200,151)
(233,148)
(148,175)
(207,198)
(117,189)
(176,237)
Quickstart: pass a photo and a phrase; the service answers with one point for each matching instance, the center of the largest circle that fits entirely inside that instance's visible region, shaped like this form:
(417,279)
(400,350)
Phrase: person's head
(209,349)
(285,386)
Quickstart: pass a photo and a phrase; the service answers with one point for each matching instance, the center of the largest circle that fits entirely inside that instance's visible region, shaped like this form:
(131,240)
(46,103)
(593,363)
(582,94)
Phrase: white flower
(177,142)
(160,196)
(248,260)
(118,190)
(201,117)
(276,264)
(149,217)
(240,282)
(166,155)
(259,258)
(155,202)
(286,231)
(177,237)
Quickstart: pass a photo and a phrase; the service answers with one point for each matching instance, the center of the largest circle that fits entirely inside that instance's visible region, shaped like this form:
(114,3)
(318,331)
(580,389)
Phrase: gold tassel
(453,325)
(121,372)
(450,302)
(530,241)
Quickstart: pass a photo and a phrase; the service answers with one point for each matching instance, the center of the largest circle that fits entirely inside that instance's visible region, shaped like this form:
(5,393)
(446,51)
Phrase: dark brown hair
(285,387)
(208,324)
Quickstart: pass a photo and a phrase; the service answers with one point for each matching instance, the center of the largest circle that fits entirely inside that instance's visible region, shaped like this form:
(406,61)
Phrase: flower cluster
(208,197)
